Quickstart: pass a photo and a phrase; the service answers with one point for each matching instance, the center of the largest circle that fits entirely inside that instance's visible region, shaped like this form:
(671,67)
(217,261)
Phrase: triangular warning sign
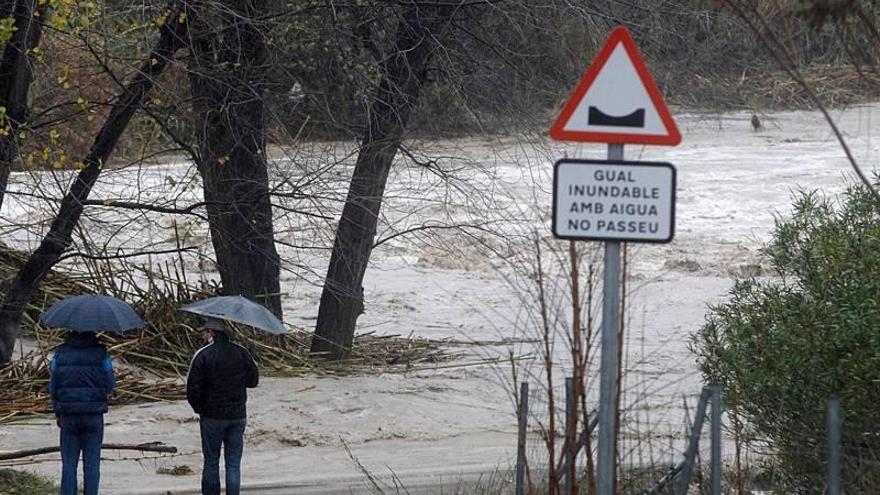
(616,100)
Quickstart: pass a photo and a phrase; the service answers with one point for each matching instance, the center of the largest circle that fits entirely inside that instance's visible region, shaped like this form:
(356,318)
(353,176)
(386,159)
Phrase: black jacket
(218,377)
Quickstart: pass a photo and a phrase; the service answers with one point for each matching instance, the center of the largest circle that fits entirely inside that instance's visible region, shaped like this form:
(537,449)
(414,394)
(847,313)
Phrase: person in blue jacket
(81,382)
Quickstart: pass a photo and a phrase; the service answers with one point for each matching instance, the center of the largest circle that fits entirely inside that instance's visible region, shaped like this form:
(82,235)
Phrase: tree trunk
(15,78)
(342,299)
(228,80)
(58,239)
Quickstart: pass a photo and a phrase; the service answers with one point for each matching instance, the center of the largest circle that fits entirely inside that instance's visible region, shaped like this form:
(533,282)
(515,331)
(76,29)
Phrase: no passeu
(631,227)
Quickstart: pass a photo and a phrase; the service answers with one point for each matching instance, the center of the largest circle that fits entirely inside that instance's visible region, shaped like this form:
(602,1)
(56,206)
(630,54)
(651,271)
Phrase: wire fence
(712,451)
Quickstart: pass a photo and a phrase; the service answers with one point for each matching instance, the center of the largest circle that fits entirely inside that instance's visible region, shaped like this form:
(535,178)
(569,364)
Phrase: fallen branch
(144,447)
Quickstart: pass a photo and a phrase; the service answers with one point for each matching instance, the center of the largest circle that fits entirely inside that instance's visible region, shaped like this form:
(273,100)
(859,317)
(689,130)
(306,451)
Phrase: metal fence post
(716,439)
(521,438)
(834,435)
(690,455)
(570,437)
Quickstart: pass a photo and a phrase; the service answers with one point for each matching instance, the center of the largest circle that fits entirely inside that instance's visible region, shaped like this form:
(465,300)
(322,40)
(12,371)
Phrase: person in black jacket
(81,380)
(216,384)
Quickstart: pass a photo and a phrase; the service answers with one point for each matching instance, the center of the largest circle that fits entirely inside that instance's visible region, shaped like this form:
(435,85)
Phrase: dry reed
(151,363)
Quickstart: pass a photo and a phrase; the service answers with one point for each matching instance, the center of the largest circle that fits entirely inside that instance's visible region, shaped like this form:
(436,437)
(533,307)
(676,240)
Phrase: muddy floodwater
(470,283)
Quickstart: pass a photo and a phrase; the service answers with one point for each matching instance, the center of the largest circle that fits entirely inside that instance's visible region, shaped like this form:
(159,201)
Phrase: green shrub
(14,482)
(781,346)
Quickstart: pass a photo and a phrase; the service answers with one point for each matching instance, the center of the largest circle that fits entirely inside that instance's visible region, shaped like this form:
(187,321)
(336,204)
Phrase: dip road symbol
(616,100)
(614,200)
(598,117)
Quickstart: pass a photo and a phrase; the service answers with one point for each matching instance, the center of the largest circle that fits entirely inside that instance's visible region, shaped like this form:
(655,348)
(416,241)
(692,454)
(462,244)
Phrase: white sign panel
(614,200)
(616,101)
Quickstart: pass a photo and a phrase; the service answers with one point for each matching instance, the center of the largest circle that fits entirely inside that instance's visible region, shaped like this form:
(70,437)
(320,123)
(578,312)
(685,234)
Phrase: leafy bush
(783,345)
(14,482)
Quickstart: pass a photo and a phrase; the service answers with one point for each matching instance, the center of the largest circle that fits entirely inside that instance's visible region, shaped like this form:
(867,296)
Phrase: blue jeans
(81,433)
(228,433)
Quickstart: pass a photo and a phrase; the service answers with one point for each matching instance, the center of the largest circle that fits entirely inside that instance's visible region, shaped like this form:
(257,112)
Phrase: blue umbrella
(92,313)
(237,309)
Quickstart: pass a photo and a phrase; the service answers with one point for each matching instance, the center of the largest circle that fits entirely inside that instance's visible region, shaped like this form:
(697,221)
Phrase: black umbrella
(90,313)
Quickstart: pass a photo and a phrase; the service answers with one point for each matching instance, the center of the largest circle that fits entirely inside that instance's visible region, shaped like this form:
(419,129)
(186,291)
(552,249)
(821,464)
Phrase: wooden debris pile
(24,387)
(762,91)
(835,85)
(151,363)
(164,348)
(56,286)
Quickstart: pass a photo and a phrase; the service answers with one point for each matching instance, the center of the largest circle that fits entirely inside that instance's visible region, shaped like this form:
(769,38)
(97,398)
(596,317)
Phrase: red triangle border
(619,35)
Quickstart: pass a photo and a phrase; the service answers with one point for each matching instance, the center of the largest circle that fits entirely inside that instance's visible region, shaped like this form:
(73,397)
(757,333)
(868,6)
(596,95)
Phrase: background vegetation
(513,70)
(13,482)
(782,345)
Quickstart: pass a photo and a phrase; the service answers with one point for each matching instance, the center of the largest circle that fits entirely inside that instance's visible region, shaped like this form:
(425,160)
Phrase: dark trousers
(229,434)
(81,433)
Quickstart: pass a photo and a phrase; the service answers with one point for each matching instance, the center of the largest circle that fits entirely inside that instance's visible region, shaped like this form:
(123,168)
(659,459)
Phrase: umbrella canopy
(239,310)
(92,313)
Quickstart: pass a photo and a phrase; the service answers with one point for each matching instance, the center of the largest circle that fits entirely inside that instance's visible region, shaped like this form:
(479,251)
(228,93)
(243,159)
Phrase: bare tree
(15,77)
(58,239)
(404,73)
(228,74)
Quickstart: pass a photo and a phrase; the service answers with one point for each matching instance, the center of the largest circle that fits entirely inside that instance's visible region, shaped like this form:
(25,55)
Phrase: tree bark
(15,78)
(342,299)
(228,80)
(58,239)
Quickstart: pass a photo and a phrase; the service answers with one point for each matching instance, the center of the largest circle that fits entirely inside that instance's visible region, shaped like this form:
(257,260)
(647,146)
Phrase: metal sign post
(606,463)
(612,201)
(615,102)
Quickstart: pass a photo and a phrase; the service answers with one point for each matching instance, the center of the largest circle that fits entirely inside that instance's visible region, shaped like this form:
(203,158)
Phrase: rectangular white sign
(614,200)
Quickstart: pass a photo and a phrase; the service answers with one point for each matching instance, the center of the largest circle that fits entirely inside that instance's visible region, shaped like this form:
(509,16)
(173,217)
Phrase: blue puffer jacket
(82,376)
